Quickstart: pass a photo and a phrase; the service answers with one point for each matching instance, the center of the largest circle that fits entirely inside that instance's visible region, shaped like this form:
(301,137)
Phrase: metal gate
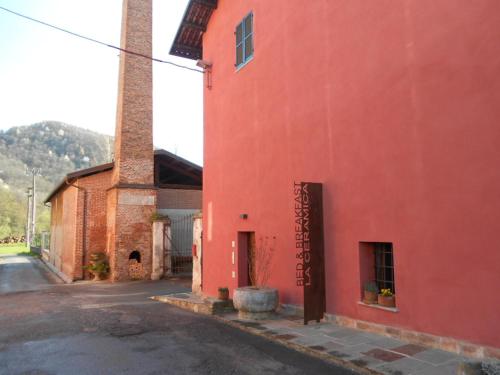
(181,241)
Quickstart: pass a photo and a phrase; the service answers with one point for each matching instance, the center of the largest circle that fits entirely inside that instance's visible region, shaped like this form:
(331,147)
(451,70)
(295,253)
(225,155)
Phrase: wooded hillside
(54,147)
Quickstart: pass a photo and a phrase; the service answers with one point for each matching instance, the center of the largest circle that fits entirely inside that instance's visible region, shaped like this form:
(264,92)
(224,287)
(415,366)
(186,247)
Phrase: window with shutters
(244,41)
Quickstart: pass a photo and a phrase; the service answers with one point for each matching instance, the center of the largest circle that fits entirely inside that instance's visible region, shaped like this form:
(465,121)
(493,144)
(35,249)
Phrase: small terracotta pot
(370,297)
(387,301)
(223,294)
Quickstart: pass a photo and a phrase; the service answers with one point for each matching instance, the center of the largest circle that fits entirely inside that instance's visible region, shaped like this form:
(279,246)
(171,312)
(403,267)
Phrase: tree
(12,214)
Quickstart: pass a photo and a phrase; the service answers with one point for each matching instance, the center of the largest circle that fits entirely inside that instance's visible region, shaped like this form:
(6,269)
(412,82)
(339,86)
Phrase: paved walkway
(24,273)
(357,349)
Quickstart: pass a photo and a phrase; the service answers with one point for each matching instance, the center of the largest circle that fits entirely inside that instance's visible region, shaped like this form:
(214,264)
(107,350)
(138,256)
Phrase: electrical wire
(99,42)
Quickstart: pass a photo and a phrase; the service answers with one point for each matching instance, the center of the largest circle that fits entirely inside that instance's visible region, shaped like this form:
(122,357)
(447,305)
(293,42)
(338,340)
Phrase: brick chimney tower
(131,200)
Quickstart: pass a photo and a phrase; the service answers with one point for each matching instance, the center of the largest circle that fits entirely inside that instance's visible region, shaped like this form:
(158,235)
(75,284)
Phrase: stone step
(196,303)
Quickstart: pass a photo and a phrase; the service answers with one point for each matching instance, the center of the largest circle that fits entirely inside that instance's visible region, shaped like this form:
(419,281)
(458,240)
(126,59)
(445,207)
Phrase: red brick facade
(63,245)
(78,223)
(129,229)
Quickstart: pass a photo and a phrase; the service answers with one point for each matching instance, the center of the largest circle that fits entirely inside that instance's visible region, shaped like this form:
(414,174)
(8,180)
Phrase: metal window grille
(244,40)
(384,266)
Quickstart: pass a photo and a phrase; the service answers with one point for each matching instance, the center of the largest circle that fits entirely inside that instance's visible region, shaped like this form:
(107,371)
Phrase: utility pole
(32,207)
(28,217)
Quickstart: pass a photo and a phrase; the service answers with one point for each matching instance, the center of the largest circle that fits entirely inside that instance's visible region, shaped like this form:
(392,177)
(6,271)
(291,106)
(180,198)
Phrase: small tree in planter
(386,298)
(258,301)
(370,292)
(98,266)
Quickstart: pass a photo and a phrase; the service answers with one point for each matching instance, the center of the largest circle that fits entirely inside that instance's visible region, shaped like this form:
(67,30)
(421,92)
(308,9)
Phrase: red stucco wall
(394,107)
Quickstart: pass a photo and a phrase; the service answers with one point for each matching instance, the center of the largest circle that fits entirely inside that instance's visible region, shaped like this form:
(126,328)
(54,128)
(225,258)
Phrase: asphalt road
(22,273)
(103,328)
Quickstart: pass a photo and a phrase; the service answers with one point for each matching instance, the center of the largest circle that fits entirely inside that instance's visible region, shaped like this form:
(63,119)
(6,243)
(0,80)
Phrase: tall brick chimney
(134,118)
(131,200)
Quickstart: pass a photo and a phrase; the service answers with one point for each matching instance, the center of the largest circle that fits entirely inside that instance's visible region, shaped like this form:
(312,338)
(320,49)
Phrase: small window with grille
(244,41)
(384,266)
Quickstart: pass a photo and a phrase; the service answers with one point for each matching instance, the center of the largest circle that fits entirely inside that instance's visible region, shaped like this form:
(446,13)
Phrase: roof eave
(188,40)
(70,177)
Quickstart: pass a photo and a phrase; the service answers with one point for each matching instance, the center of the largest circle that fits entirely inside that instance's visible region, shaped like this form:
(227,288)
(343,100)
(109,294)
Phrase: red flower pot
(370,297)
(387,301)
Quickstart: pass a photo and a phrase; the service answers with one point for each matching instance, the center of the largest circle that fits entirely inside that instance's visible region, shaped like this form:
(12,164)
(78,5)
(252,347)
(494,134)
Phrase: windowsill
(378,307)
(242,65)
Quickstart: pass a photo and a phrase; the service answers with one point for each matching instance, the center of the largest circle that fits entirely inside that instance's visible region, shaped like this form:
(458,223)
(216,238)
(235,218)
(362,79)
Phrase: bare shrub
(260,260)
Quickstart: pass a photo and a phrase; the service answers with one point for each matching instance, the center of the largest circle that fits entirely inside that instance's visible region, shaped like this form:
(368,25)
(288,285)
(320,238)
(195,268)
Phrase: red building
(394,106)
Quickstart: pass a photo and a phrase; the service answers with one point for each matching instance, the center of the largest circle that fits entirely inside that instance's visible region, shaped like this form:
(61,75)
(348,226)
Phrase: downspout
(84,223)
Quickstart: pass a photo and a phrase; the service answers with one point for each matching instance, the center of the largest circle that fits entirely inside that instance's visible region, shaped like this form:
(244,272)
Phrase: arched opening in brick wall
(135,255)
(135,268)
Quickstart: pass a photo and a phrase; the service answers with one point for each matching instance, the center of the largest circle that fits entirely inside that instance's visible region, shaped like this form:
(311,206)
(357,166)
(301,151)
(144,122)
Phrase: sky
(49,75)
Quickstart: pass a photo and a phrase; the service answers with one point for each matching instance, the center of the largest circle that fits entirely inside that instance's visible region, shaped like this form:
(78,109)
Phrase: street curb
(55,271)
(299,348)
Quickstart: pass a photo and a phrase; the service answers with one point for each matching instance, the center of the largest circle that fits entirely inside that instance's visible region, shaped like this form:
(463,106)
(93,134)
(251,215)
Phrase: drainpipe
(84,223)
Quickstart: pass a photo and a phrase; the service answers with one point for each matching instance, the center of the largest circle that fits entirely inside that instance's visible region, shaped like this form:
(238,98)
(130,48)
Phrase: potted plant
(98,266)
(386,298)
(223,294)
(257,301)
(370,292)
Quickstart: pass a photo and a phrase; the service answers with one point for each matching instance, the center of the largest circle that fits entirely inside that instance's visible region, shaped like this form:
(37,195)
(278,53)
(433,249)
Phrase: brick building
(109,207)
(393,106)
(79,211)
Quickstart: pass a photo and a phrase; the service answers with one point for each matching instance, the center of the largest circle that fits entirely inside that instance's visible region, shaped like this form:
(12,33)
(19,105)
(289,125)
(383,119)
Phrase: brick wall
(63,229)
(130,229)
(179,199)
(78,224)
(95,204)
(111,203)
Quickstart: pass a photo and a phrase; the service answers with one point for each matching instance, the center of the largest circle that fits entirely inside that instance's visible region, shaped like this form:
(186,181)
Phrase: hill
(54,147)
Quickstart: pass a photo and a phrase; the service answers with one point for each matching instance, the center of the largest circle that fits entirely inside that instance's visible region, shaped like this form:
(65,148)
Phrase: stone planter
(255,303)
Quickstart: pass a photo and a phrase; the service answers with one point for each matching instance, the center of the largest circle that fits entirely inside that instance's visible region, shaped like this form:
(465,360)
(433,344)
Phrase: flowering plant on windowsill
(386,293)
(387,298)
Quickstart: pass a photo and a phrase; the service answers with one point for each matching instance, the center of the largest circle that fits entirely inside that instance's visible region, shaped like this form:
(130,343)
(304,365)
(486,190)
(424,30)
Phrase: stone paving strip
(363,352)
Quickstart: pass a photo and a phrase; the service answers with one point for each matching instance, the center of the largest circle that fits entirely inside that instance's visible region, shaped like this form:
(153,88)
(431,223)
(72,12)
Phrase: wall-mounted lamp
(244,216)
(207,70)
(204,64)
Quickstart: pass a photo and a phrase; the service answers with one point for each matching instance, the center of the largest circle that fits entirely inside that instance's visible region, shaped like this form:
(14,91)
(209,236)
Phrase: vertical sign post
(309,247)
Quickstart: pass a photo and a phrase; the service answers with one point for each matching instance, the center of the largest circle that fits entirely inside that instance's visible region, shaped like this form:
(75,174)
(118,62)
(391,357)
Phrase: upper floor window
(244,41)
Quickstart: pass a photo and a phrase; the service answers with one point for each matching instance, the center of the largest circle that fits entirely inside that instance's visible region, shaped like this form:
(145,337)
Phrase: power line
(99,42)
